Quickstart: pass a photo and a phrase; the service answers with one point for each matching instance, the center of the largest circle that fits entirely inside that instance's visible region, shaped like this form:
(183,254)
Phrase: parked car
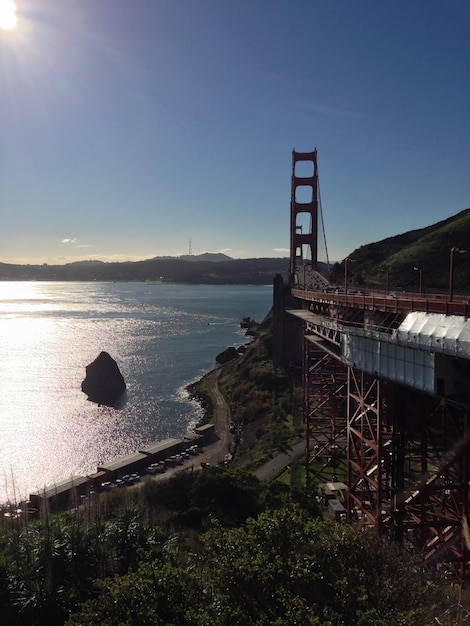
(107,485)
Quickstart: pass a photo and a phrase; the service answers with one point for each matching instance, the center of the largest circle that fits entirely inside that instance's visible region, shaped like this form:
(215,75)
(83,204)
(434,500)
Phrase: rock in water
(104,383)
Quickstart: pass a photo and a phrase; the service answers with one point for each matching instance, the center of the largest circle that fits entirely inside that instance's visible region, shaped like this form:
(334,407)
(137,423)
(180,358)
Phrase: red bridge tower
(304,211)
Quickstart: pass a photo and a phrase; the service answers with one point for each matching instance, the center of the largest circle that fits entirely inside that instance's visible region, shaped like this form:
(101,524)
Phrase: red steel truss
(407,455)
(325,392)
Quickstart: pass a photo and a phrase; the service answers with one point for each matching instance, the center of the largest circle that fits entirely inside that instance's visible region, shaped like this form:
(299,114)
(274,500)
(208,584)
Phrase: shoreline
(216,447)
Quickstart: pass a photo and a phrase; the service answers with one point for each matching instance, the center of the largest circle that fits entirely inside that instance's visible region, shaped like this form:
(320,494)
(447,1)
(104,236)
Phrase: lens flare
(8,17)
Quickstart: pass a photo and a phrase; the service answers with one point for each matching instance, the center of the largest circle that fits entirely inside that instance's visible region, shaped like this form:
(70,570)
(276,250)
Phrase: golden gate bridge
(385,387)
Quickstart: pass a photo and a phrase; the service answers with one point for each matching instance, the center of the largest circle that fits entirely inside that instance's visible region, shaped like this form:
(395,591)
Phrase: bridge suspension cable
(320,207)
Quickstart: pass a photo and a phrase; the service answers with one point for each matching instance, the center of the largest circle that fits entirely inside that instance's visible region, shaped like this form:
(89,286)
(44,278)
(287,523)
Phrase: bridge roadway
(388,301)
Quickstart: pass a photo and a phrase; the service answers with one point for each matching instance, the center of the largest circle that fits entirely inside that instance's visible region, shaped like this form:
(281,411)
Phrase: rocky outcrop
(250,325)
(104,383)
(227,355)
(247,322)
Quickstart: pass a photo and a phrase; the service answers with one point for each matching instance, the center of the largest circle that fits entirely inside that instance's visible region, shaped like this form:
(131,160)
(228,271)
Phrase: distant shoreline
(202,270)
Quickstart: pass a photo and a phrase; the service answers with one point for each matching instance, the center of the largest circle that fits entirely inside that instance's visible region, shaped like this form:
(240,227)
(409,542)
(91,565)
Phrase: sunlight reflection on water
(162,337)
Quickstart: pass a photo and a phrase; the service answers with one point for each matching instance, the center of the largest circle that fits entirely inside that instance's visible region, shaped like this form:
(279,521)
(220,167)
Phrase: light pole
(387,283)
(418,269)
(451,270)
(347,261)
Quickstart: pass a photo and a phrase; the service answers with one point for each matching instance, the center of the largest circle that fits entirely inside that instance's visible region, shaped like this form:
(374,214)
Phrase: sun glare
(8,17)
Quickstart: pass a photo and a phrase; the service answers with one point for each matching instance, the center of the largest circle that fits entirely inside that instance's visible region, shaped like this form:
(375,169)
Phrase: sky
(131,129)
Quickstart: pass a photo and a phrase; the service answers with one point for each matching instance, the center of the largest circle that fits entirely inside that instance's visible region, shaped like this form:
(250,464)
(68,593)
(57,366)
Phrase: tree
(154,595)
(285,566)
(226,495)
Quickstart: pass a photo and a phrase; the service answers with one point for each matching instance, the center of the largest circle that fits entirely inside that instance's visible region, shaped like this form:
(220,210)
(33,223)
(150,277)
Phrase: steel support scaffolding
(407,455)
(324,406)
(369,451)
(431,491)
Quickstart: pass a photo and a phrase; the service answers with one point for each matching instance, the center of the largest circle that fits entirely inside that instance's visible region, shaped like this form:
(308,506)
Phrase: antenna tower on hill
(190,247)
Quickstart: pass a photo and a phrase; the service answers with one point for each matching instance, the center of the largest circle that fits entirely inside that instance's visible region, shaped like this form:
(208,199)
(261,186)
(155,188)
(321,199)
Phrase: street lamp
(451,270)
(418,269)
(347,260)
(387,281)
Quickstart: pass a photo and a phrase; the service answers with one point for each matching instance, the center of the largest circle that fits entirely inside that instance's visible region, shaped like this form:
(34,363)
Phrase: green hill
(393,260)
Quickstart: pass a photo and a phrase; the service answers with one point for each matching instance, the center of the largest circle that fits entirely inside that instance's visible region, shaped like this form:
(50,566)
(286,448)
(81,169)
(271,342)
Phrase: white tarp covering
(449,334)
(386,359)
(410,354)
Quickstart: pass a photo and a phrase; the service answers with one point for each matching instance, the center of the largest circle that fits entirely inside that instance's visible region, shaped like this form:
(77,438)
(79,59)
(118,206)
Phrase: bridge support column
(369,451)
(324,410)
(433,506)
(409,468)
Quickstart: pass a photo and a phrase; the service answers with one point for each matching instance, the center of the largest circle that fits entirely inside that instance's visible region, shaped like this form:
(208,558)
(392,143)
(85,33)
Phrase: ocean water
(163,337)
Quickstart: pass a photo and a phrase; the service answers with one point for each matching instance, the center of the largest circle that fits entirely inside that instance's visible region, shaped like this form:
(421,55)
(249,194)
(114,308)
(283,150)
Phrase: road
(215,451)
(281,460)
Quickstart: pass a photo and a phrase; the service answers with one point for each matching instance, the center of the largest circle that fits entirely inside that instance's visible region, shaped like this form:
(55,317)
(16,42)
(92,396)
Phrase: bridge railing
(388,301)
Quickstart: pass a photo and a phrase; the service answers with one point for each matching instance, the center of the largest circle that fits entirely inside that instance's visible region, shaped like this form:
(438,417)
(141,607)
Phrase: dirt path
(215,452)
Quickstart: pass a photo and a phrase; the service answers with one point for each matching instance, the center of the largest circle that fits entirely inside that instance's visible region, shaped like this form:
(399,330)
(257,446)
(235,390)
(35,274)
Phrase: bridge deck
(393,302)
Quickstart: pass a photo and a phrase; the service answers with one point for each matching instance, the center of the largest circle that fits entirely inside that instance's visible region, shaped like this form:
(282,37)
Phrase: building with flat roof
(125,464)
(163,448)
(207,431)
(63,494)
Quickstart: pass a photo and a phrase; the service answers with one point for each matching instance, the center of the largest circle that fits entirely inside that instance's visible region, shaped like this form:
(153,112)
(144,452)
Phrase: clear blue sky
(128,128)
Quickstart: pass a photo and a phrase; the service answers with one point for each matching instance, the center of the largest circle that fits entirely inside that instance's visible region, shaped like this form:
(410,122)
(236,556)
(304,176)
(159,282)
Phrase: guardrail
(393,302)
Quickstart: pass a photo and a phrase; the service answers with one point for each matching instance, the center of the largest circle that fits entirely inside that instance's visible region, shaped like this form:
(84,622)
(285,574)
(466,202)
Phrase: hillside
(427,248)
(203,269)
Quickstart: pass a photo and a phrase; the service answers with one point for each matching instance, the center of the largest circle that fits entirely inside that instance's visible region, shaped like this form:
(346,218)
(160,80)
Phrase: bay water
(162,336)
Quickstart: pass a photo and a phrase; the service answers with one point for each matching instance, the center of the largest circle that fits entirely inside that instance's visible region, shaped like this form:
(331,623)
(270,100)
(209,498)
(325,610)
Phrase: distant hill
(427,249)
(216,257)
(388,262)
(205,256)
(192,269)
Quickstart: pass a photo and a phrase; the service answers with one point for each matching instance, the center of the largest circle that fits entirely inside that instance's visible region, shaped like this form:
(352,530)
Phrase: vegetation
(392,261)
(214,547)
(264,401)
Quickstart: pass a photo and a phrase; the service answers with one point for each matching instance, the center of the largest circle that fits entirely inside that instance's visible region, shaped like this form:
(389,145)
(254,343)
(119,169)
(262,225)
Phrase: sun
(8,17)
